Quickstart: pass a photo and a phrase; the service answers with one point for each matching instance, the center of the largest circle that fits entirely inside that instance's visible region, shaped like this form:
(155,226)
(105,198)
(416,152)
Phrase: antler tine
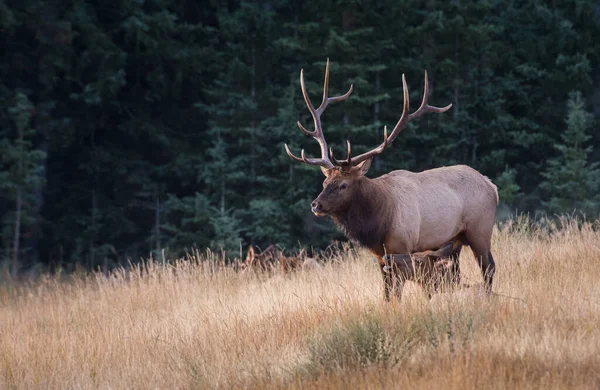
(343,163)
(309,161)
(365,156)
(317,133)
(425,108)
(405,117)
(304,129)
(326,100)
(325,88)
(345,96)
(311,108)
(303,156)
(289,153)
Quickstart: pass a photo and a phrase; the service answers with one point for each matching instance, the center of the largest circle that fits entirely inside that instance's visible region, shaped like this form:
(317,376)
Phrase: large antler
(317,134)
(349,162)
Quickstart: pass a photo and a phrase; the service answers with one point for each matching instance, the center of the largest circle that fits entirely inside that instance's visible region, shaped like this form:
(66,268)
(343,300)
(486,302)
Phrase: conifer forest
(133,128)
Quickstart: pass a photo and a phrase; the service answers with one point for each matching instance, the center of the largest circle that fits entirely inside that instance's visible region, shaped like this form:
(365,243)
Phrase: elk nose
(316,206)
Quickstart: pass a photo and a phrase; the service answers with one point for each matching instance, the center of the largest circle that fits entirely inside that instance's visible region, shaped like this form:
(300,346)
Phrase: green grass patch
(387,340)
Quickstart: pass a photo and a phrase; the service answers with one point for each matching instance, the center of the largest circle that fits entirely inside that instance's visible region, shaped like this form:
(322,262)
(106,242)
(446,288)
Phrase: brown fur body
(273,258)
(290,263)
(297,262)
(407,212)
(265,260)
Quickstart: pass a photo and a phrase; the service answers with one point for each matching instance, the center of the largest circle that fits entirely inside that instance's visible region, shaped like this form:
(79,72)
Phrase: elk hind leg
(480,245)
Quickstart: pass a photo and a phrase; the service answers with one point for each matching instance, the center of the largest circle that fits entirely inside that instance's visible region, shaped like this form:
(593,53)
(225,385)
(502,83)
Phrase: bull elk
(401,211)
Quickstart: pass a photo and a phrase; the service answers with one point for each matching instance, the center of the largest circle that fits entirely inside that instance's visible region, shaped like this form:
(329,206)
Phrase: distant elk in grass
(430,269)
(402,211)
(272,258)
(263,261)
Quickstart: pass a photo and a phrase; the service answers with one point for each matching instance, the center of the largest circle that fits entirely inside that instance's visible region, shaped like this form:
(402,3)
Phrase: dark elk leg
(391,281)
(386,273)
(487,265)
(480,245)
(455,269)
(457,244)
(398,285)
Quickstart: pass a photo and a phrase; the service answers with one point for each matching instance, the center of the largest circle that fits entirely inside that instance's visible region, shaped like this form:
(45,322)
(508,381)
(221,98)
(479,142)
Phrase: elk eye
(343,186)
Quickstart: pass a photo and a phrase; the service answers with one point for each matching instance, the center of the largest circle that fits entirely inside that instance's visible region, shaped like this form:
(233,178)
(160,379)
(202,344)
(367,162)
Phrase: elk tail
(487,179)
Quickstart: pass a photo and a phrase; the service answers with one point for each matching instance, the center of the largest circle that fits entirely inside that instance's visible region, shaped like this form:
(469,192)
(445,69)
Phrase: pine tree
(571,181)
(163,121)
(187,222)
(227,231)
(508,189)
(20,175)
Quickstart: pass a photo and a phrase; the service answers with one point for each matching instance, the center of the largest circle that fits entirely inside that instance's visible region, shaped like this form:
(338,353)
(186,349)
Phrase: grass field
(183,326)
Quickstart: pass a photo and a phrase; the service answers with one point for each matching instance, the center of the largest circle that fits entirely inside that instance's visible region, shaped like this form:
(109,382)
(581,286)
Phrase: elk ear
(363,167)
(326,171)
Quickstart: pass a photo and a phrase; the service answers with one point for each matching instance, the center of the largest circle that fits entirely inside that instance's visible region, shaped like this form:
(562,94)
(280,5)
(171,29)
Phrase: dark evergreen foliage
(140,126)
(572,183)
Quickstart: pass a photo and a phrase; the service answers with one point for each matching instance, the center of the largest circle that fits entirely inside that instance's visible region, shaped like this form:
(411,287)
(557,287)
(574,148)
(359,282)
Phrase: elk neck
(367,219)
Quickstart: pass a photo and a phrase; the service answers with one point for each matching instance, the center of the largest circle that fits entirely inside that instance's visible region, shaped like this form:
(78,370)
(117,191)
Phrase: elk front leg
(398,285)
(391,281)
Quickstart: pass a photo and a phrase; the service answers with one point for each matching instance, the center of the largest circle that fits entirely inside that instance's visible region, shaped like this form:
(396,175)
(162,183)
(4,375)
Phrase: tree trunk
(253,123)
(455,106)
(18,211)
(376,111)
(377,106)
(15,260)
(474,153)
(42,119)
(222,196)
(157,220)
(92,256)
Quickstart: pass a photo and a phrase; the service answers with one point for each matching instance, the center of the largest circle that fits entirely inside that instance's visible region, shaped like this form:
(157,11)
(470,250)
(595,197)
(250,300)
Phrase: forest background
(129,128)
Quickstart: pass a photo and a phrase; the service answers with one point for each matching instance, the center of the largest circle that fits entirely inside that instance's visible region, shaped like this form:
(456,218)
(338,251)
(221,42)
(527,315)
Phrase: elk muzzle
(317,208)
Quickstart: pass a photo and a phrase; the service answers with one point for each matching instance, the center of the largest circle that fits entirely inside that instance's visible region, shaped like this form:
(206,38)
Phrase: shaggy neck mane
(367,219)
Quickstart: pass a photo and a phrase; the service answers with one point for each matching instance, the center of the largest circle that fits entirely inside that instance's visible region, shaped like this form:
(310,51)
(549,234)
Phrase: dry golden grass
(184,327)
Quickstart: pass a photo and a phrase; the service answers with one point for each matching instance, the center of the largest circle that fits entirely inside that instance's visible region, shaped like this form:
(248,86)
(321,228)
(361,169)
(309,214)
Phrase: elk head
(264,260)
(250,256)
(344,177)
